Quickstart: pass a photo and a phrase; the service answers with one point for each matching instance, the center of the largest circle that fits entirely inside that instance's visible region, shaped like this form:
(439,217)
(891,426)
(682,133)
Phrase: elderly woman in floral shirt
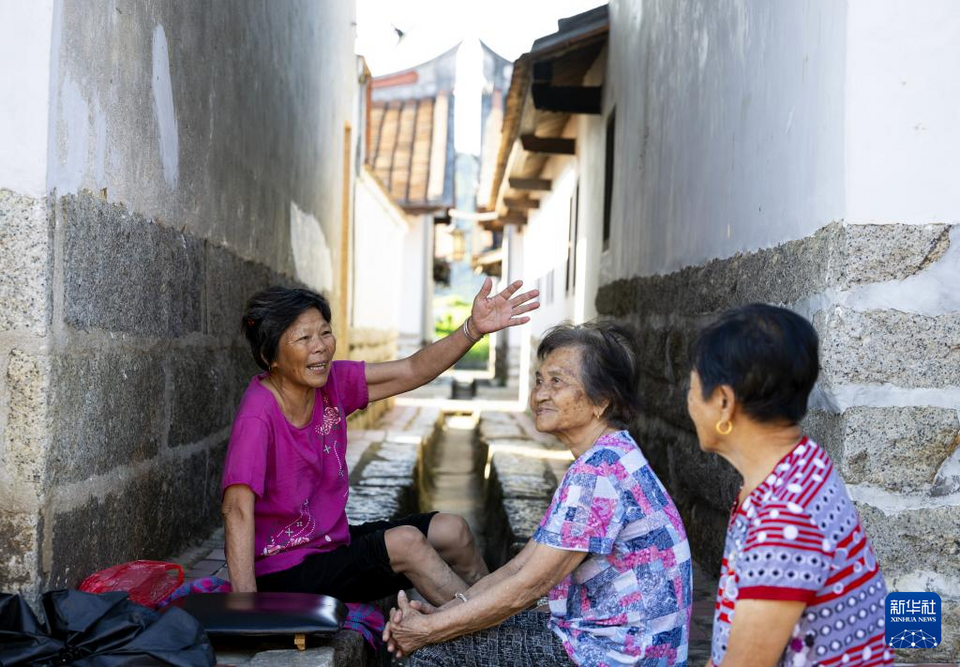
(611,550)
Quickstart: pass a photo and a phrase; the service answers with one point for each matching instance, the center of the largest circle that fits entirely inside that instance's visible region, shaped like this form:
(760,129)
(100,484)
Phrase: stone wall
(372,346)
(121,366)
(180,157)
(884,301)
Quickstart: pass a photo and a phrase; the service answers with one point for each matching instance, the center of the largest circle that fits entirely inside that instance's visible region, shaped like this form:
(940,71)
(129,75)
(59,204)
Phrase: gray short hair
(610,370)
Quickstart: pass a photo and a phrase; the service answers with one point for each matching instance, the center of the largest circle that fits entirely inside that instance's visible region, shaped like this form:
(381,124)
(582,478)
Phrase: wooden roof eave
(513,111)
(520,116)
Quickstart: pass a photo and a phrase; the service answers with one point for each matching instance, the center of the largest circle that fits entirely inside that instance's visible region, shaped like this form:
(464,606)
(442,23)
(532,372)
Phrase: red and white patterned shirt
(797,536)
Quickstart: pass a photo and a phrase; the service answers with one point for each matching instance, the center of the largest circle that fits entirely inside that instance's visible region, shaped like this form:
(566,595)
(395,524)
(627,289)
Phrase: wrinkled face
(306,350)
(558,400)
(705,413)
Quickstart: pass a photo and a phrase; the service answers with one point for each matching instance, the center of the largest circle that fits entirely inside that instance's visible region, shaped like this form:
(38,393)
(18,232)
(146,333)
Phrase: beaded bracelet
(466,332)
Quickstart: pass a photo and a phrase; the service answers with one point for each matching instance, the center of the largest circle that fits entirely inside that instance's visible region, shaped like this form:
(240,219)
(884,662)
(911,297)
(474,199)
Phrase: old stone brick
(707,478)
(876,253)
(210,514)
(374,503)
(19,546)
(784,274)
(230,282)
(948,653)
(26,436)
(150,516)
(706,529)
(203,394)
(826,429)
(25,243)
(837,256)
(500,430)
(898,449)
(242,366)
(916,541)
(655,438)
(152,284)
(666,400)
(106,411)
(517,476)
(903,539)
(878,347)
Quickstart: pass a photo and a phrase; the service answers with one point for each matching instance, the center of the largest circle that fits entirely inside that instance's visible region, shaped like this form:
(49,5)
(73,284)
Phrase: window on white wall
(608,176)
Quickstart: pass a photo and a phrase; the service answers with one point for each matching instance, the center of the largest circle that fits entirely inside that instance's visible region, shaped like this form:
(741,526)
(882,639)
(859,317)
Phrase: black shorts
(359,572)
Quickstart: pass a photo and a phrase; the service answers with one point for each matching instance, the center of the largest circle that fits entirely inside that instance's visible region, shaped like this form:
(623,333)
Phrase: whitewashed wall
(545,241)
(381,230)
(416,302)
(730,119)
(741,125)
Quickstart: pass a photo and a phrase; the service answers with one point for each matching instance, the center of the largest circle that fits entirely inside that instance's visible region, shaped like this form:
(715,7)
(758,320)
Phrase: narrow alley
(236,238)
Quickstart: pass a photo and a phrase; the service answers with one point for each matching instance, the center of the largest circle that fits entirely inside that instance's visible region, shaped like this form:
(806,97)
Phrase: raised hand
(493,313)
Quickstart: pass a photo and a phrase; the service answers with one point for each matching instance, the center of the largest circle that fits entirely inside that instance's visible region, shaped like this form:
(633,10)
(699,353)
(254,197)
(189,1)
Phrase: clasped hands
(408,627)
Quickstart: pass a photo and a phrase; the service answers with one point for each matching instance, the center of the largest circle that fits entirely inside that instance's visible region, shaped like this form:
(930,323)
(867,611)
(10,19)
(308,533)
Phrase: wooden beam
(552,145)
(513,218)
(523,204)
(530,183)
(568,99)
(543,71)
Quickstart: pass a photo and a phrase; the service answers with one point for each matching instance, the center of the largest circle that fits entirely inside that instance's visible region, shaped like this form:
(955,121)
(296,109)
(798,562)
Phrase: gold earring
(724,430)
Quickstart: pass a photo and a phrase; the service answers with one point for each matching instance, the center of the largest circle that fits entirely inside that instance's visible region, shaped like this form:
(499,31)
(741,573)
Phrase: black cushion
(264,613)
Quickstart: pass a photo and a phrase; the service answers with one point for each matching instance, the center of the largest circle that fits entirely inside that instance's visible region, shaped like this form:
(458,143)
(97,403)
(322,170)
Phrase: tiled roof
(408,148)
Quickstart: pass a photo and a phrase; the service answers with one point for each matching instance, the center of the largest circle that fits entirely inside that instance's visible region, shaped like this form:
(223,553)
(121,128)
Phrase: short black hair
(610,370)
(768,355)
(270,312)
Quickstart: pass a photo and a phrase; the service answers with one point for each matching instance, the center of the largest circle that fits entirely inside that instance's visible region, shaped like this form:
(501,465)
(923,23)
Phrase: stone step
(521,475)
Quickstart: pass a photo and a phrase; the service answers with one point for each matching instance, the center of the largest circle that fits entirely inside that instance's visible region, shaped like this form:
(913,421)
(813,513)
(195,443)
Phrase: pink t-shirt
(299,475)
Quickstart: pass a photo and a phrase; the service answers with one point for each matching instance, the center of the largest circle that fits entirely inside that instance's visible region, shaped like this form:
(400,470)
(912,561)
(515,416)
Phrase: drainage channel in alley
(451,483)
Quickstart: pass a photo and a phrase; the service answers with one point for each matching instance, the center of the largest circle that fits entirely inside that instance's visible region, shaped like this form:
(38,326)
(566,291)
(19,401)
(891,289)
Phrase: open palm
(493,313)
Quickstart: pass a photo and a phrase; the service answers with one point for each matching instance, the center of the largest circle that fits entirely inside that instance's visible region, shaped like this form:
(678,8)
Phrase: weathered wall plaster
(171,159)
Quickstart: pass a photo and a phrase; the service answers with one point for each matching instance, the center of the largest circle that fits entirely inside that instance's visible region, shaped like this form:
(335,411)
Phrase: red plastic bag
(148,582)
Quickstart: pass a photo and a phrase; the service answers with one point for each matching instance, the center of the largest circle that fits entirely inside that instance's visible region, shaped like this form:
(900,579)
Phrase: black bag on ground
(105,630)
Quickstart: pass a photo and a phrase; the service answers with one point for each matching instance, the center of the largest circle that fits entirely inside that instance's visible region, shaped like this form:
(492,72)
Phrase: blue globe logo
(913,639)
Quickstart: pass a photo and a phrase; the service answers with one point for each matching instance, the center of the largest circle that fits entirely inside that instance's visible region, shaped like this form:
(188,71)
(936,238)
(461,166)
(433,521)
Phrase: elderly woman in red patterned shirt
(799,584)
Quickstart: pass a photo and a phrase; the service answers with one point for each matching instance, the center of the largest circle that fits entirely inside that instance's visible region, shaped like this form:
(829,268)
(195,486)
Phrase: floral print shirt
(629,601)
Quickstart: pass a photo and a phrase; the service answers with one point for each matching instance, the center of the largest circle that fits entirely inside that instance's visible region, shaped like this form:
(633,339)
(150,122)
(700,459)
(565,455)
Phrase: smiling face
(558,400)
(306,351)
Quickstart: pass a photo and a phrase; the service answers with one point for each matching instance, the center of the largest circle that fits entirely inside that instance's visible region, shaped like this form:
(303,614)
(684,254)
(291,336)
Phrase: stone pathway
(452,484)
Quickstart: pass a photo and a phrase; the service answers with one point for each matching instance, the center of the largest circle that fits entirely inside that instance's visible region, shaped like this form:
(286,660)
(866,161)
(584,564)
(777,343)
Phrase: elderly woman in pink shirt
(285,479)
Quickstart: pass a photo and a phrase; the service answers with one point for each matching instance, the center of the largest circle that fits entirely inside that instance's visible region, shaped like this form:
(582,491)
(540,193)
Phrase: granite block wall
(884,301)
(373,346)
(167,160)
(121,366)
